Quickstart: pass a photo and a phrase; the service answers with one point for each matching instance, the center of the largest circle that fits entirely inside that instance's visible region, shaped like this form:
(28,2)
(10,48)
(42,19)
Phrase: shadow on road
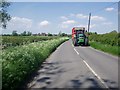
(90,83)
(85,81)
(111,84)
(43,77)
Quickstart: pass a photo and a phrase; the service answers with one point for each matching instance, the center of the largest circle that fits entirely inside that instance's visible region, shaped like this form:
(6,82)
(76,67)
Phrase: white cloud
(72,14)
(69,22)
(44,23)
(64,17)
(18,22)
(107,23)
(86,26)
(64,26)
(109,9)
(97,18)
(81,16)
(81,25)
(93,25)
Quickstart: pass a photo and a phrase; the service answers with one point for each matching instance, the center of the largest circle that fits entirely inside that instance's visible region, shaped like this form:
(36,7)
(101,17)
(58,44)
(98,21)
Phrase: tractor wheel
(86,42)
(75,42)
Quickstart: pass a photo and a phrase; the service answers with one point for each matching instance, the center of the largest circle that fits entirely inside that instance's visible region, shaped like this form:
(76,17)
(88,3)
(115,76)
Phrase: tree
(29,33)
(24,33)
(49,34)
(95,32)
(4,16)
(14,33)
(63,34)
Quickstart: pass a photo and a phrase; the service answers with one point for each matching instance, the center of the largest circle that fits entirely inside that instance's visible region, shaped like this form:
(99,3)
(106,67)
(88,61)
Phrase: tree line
(28,33)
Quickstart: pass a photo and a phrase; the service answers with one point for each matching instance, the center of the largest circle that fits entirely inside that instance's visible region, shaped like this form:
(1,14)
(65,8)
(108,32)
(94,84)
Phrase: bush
(19,62)
(111,38)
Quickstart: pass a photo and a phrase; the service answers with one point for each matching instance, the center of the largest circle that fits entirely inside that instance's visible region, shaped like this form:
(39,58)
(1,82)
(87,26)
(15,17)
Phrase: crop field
(21,61)
(11,41)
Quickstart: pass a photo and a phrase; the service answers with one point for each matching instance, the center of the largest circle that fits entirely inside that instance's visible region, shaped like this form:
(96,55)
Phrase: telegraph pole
(89,22)
(89,25)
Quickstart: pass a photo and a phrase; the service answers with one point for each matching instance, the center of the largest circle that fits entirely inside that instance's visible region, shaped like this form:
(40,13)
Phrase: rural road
(77,67)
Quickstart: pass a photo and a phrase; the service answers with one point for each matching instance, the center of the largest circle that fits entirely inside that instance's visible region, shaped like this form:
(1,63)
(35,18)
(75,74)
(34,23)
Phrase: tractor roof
(79,28)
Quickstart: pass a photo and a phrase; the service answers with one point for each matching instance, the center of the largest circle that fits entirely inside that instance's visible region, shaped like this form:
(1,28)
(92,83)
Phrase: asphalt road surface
(77,67)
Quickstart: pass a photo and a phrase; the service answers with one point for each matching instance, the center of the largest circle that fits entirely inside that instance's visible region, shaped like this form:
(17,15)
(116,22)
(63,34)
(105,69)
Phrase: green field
(11,41)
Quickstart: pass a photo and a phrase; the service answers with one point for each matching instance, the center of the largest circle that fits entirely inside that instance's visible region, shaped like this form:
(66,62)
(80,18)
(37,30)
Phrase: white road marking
(76,51)
(72,45)
(95,74)
(59,46)
(99,78)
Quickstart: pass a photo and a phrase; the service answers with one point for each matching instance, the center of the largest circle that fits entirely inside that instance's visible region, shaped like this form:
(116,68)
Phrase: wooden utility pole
(89,23)
(89,26)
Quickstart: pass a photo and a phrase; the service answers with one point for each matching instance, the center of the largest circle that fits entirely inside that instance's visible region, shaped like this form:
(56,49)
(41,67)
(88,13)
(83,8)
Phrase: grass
(21,61)
(114,50)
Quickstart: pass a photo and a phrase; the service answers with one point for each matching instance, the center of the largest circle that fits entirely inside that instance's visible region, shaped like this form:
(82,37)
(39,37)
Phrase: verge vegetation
(108,42)
(19,62)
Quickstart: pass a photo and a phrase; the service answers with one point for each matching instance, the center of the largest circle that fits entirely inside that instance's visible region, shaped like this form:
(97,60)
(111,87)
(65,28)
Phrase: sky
(53,17)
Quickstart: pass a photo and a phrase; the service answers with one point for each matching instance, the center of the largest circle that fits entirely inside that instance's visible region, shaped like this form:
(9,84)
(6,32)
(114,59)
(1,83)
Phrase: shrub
(21,61)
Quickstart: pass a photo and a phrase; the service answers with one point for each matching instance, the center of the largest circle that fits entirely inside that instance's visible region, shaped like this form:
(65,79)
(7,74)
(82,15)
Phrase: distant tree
(49,34)
(4,16)
(63,34)
(24,33)
(14,33)
(29,33)
(95,32)
(114,31)
(59,34)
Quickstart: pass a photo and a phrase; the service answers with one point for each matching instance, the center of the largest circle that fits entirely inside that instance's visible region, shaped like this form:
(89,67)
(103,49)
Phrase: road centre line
(72,45)
(99,78)
(76,51)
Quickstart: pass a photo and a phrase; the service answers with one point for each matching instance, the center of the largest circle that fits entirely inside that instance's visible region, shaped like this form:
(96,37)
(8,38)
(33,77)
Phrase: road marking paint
(60,46)
(76,51)
(95,74)
(72,45)
(99,78)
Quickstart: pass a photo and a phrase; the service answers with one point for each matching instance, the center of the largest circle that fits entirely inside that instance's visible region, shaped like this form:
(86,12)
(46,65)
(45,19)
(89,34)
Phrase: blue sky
(52,17)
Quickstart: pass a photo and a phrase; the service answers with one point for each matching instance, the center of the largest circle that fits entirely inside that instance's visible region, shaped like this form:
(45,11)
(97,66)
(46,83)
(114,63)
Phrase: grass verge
(21,61)
(114,50)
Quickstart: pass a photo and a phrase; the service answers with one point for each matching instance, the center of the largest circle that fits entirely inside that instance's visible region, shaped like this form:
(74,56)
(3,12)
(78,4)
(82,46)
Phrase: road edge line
(95,74)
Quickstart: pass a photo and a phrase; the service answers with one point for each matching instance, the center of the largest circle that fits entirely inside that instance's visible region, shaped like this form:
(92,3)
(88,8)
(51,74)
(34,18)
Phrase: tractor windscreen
(80,33)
